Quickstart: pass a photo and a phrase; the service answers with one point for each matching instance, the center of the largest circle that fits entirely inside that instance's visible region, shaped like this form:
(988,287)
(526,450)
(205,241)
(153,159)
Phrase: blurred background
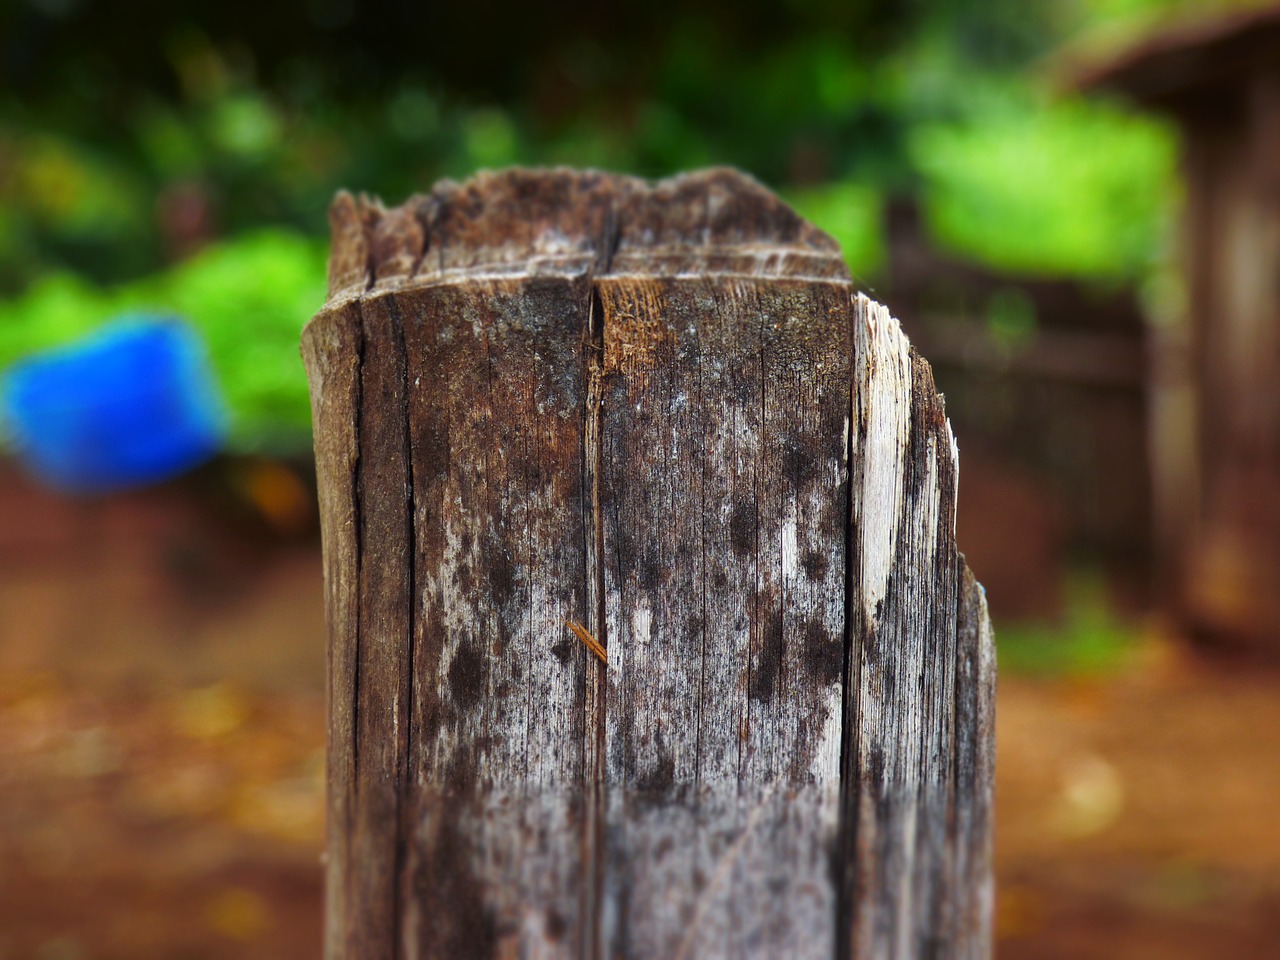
(1073,206)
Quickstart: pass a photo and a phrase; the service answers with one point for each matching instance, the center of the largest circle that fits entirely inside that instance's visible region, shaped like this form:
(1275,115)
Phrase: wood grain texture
(331,347)
(973,885)
(657,411)
(724,529)
(902,683)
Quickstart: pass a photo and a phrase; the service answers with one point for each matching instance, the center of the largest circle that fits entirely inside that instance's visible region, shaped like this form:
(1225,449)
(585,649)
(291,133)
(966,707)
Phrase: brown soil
(1136,815)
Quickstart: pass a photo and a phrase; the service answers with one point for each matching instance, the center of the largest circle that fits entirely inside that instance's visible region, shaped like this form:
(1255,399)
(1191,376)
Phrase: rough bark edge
(917,757)
(333,354)
(975,771)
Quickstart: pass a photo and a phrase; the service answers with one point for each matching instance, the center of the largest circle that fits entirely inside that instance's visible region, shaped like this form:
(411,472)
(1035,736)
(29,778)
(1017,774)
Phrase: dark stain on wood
(460,926)
(742,527)
(556,926)
(460,771)
(823,653)
(802,457)
(659,411)
(502,573)
(768,666)
(564,651)
(468,674)
(815,563)
(655,783)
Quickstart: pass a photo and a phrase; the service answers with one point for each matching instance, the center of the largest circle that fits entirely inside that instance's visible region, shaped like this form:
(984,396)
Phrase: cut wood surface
(649,636)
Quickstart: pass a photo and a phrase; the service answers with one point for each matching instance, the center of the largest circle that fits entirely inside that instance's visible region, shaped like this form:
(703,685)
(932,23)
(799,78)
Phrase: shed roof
(1178,63)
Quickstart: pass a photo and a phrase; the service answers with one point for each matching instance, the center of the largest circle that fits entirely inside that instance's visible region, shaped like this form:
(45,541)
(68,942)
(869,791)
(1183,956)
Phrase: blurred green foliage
(128,143)
(1069,189)
(850,212)
(1088,639)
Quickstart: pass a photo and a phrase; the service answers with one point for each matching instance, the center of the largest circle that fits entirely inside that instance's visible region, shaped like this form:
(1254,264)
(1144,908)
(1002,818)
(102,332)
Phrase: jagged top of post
(558,221)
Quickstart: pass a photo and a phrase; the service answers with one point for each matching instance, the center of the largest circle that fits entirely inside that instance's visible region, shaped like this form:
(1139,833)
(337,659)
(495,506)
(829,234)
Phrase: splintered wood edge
(568,222)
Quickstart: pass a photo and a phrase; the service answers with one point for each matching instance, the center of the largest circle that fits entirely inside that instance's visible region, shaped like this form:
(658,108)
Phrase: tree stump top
(568,222)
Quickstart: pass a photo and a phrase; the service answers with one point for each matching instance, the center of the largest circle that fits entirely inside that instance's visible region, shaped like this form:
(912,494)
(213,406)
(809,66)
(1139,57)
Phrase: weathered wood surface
(661,413)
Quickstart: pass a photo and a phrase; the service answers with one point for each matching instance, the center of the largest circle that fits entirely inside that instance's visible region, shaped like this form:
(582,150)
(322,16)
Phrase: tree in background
(130,143)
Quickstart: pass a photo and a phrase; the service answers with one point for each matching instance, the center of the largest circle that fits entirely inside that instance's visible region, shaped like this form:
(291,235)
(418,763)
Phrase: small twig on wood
(594,645)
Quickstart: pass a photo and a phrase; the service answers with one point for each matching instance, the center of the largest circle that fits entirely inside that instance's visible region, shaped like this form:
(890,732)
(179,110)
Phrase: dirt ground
(161,767)
(1135,814)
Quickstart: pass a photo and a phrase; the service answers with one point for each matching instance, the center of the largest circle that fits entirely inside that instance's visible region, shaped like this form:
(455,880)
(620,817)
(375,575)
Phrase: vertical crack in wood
(755,645)
(606,246)
(406,793)
(383,626)
(331,352)
(357,519)
(700,742)
(597,672)
(847,828)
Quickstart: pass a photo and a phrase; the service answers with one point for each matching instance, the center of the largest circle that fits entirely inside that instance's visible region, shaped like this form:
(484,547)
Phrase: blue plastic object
(132,404)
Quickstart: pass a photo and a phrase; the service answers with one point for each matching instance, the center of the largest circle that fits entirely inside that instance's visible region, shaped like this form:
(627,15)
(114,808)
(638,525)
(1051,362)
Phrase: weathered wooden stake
(659,412)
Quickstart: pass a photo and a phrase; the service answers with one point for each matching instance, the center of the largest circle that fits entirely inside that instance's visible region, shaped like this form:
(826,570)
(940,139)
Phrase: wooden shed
(1215,379)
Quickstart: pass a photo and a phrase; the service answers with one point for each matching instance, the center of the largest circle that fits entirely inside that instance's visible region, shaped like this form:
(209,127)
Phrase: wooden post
(560,411)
